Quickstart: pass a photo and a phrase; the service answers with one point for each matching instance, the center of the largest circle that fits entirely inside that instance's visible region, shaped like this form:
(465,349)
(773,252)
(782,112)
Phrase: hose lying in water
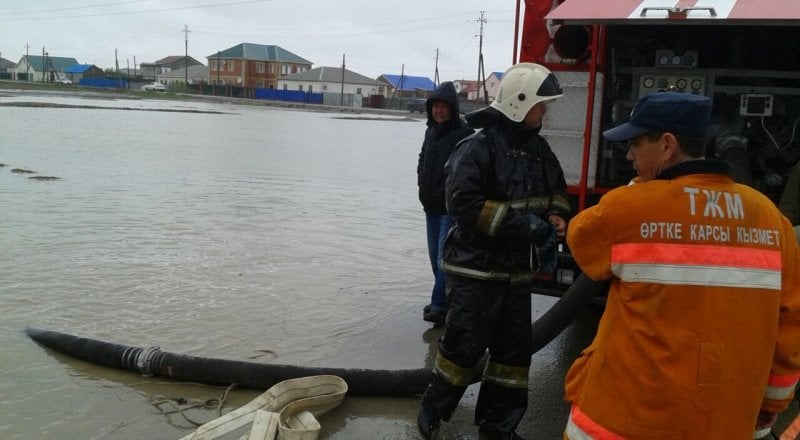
(151,361)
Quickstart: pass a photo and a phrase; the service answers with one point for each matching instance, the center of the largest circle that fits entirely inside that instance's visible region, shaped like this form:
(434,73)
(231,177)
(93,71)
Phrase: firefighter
(506,192)
(700,337)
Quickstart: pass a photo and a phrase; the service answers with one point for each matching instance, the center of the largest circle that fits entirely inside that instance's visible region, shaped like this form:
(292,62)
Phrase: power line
(146,11)
(73,8)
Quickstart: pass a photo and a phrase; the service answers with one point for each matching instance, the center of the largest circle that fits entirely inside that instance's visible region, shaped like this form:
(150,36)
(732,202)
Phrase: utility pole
(481,72)
(341,101)
(436,70)
(134,67)
(218,68)
(44,63)
(186,55)
(116,64)
(27,62)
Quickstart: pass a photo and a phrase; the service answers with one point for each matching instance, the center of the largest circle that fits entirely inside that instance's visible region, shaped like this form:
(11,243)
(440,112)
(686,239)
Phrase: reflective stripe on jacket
(702,324)
(494,179)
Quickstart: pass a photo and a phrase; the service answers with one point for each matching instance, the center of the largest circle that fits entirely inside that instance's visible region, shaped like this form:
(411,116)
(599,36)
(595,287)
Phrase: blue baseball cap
(678,113)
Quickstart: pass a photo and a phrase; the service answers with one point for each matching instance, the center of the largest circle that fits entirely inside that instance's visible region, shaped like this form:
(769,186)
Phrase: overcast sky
(375,36)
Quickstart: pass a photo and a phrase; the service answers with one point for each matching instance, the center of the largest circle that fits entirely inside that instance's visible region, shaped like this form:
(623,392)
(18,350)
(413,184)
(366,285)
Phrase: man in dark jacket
(445,129)
(506,192)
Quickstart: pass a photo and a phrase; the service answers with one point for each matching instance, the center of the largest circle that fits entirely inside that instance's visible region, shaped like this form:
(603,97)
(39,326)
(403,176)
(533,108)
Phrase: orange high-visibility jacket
(702,325)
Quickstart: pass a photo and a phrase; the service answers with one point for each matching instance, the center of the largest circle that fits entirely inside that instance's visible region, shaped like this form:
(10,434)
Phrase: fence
(104,83)
(289,95)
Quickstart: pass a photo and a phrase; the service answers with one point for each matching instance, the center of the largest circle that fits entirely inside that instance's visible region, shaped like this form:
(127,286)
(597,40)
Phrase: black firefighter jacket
(436,148)
(494,179)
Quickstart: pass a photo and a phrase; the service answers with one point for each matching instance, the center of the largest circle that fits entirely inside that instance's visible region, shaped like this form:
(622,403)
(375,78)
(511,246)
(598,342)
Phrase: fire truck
(743,54)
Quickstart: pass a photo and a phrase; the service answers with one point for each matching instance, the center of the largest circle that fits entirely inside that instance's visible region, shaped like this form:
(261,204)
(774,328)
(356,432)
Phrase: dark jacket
(494,179)
(436,148)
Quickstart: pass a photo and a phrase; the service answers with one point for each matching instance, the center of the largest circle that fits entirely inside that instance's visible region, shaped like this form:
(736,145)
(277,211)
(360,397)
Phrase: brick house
(254,65)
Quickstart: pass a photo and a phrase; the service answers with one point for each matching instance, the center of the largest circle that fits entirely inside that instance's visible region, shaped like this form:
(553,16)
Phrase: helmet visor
(549,87)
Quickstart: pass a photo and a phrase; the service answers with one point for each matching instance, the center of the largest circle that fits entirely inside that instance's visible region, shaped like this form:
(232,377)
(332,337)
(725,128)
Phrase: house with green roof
(254,65)
(43,68)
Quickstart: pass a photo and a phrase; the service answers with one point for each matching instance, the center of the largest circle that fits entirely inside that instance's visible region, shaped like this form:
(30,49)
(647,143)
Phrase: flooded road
(217,230)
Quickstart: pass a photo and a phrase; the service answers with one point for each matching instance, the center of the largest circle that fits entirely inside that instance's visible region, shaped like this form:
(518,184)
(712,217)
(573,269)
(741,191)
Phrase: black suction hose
(563,312)
(151,361)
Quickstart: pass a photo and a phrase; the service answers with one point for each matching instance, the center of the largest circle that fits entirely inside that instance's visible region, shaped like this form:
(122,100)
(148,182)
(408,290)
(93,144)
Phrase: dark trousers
(484,315)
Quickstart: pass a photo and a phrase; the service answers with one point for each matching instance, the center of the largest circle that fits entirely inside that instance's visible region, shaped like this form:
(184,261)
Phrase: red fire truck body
(743,54)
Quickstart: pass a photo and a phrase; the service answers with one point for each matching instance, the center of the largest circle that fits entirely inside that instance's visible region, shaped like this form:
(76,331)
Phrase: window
(358,91)
(284,69)
(260,84)
(260,67)
(310,88)
(300,87)
(285,87)
(271,68)
(230,66)
(324,87)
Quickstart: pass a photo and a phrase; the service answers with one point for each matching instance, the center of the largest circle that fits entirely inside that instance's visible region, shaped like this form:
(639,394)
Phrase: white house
(330,80)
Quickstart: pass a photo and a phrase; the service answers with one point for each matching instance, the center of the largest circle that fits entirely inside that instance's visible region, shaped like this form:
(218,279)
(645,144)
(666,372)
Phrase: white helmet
(524,85)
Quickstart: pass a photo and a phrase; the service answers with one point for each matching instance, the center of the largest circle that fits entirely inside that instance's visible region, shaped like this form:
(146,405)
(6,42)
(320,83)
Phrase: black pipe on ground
(152,361)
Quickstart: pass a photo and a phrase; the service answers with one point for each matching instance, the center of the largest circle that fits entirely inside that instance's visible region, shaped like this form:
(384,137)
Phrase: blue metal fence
(289,95)
(105,83)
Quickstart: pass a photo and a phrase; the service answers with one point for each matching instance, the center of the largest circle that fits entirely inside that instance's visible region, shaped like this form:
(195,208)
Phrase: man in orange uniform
(700,338)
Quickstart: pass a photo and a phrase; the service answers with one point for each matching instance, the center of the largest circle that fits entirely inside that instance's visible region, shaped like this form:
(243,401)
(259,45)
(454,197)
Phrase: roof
(78,68)
(195,72)
(498,75)
(409,82)
(59,63)
(468,85)
(707,11)
(331,74)
(170,59)
(260,52)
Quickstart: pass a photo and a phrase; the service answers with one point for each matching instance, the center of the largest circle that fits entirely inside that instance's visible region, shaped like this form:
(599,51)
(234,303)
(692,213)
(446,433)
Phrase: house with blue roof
(407,86)
(75,72)
(493,84)
(254,65)
(43,68)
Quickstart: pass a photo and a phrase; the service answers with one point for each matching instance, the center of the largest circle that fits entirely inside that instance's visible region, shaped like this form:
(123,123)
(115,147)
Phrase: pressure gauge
(697,84)
(676,60)
(663,60)
(648,82)
(680,84)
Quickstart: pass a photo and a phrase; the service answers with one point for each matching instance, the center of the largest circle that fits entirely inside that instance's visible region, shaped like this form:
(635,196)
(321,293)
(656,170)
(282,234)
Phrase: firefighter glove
(540,231)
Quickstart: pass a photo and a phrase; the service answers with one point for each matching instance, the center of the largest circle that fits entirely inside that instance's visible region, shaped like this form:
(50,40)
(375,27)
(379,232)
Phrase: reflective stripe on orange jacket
(702,324)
